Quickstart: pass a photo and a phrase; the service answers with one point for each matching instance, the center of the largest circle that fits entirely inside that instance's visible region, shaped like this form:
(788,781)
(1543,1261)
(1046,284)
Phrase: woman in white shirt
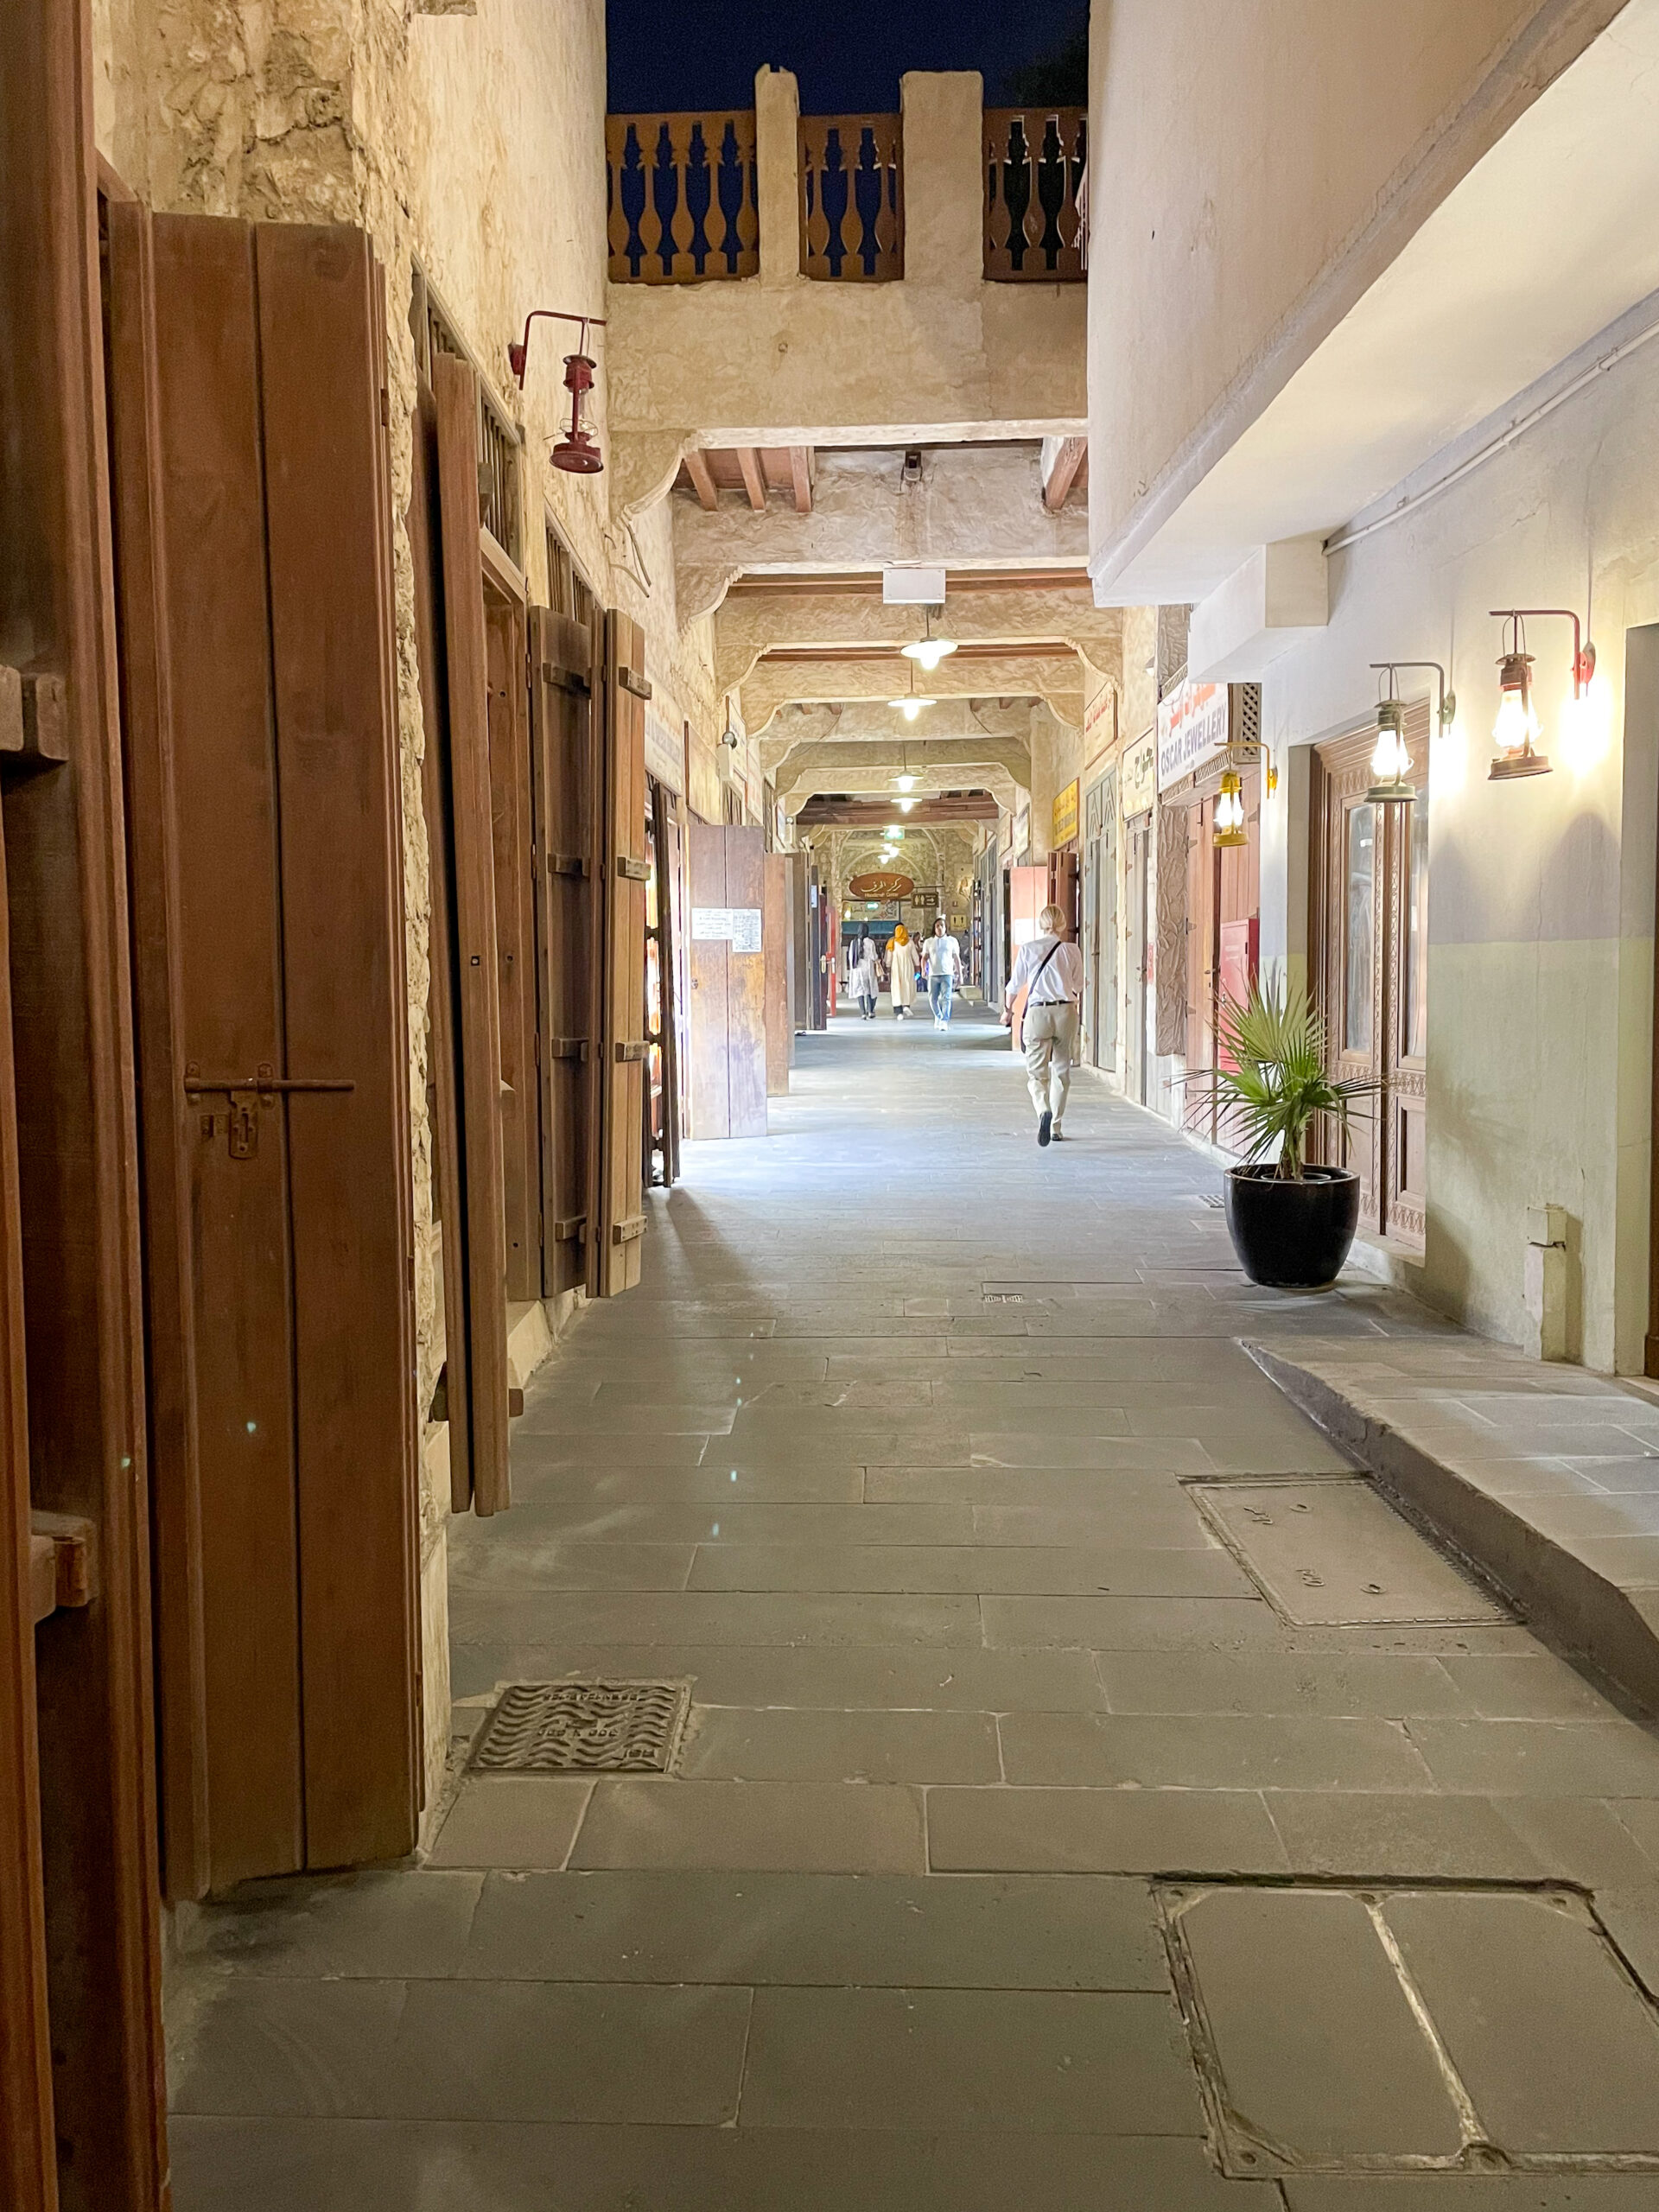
(941,964)
(1049,970)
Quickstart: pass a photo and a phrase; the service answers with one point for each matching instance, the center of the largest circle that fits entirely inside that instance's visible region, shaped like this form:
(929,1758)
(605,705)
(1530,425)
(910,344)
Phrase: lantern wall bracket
(1584,653)
(1446,712)
(519,354)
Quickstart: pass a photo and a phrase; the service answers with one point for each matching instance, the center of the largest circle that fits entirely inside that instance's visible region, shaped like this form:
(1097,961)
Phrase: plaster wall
(973,508)
(1540,893)
(781,359)
(475,142)
(749,623)
(1255,168)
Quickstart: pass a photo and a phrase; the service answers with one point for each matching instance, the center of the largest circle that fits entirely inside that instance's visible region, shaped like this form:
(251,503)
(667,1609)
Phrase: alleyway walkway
(931,1461)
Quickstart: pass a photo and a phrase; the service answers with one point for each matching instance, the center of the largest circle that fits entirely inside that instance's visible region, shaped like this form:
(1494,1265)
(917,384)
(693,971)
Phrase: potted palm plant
(1291,1223)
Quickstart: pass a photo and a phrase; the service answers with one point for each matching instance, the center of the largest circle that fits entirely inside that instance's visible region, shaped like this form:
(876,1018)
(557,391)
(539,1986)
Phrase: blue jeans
(939,990)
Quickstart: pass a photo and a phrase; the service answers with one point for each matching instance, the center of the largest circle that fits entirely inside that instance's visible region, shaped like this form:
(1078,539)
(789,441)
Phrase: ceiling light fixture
(1517,728)
(927,651)
(908,704)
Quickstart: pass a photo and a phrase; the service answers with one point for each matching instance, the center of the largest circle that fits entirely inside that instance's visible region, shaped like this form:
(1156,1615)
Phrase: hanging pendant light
(928,651)
(1391,784)
(908,704)
(1230,828)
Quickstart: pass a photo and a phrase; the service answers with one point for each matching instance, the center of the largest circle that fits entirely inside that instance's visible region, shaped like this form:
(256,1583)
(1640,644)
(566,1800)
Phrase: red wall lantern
(576,453)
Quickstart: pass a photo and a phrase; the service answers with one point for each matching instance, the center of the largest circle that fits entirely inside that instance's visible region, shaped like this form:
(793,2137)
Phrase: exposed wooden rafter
(748,460)
(1064,474)
(703,482)
(800,469)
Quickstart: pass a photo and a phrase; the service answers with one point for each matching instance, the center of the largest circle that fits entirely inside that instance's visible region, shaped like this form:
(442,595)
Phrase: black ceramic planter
(1292,1236)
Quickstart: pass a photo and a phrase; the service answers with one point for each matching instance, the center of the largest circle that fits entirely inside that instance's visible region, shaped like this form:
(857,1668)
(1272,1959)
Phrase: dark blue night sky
(848,54)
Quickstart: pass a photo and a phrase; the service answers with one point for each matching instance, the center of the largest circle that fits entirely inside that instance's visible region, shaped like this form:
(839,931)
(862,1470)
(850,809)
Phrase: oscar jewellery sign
(1193,722)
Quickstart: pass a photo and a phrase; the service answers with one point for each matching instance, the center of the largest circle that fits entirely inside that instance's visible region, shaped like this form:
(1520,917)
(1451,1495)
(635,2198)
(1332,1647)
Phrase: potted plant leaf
(1291,1223)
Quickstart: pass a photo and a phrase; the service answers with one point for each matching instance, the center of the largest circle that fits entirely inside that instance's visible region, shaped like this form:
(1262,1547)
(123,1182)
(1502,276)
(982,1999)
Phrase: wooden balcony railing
(1034,162)
(852,198)
(681,198)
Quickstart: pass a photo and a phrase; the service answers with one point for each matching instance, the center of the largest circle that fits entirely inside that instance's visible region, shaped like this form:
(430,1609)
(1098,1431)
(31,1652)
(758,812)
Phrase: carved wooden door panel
(1406,1068)
(1351,970)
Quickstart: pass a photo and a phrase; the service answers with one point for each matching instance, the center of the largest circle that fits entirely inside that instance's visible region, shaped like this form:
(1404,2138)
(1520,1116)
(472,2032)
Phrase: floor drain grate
(583,1728)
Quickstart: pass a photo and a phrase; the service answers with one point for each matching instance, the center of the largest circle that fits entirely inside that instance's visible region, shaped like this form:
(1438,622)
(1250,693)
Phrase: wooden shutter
(729,1019)
(473,908)
(567,866)
(779,961)
(619,1212)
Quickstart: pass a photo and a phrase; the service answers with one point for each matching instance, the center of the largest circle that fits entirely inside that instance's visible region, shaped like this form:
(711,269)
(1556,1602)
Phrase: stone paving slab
(1433,1444)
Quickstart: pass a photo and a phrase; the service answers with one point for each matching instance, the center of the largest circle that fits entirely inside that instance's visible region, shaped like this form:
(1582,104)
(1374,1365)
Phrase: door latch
(246,1094)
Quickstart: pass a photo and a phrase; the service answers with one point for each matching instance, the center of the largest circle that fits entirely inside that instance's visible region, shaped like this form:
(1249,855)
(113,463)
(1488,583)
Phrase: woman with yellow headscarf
(901,970)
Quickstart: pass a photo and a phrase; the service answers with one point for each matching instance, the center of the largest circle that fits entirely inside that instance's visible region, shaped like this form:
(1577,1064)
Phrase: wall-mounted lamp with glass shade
(1516,732)
(1229,810)
(1391,783)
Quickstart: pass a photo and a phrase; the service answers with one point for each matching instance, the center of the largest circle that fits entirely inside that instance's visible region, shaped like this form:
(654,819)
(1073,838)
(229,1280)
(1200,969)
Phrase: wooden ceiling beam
(703,482)
(748,460)
(800,469)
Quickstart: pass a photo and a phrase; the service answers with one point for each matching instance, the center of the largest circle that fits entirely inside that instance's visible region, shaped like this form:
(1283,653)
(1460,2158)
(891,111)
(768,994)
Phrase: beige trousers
(1051,1036)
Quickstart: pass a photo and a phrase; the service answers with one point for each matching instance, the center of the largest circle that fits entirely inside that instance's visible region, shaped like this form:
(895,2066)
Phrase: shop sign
(1066,815)
(665,746)
(1099,723)
(1192,727)
(1138,781)
(880,885)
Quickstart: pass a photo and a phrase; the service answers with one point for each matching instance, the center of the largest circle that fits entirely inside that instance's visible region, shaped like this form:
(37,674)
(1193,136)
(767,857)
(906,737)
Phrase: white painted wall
(1541,892)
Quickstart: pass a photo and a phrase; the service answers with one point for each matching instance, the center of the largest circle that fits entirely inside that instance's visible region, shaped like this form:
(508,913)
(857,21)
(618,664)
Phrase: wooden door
(619,1212)
(568,848)
(725,866)
(511,800)
(90,1870)
(1139,953)
(27,2157)
(479,1206)
(778,938)
(272,1042)
(662,1088)
(1370,894)
(1028,894)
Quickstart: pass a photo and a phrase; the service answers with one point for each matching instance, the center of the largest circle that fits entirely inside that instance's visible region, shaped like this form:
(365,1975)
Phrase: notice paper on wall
(741,924)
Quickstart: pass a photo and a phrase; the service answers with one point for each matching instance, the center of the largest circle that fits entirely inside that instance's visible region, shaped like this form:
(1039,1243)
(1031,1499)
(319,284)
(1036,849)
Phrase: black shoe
(1045,1126)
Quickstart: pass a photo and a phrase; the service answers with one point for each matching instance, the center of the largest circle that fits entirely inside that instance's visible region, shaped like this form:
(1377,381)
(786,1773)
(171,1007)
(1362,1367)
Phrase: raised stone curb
(1388,1427)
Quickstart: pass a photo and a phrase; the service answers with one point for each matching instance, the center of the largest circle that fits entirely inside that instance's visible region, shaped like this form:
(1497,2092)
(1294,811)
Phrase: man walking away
(942,964)
(866,984)
(1053,969)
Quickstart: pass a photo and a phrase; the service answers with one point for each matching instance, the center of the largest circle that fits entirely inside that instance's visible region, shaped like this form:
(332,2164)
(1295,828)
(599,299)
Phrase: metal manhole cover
(1397,2029)
(1332,1554)
(584,1727)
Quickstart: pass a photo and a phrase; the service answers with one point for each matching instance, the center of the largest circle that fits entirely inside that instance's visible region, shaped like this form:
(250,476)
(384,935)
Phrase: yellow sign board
(1066,815)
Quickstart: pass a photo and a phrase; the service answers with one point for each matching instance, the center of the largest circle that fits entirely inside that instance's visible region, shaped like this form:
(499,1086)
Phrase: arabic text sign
(1192,725)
